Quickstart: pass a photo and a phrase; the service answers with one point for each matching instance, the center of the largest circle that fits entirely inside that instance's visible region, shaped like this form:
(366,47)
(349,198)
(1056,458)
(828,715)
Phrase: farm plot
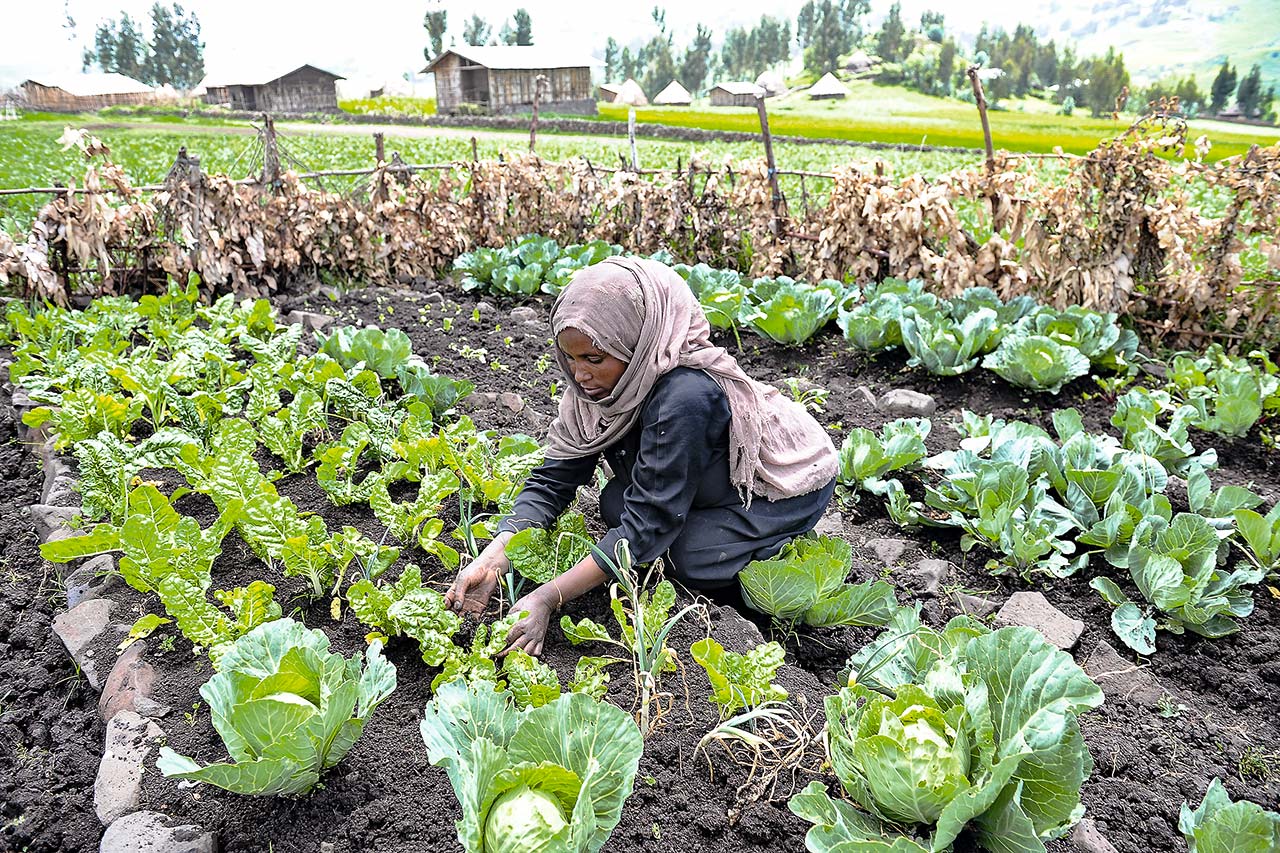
(1198,708)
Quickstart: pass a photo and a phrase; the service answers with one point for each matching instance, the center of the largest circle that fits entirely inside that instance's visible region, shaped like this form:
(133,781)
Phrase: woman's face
(595,371)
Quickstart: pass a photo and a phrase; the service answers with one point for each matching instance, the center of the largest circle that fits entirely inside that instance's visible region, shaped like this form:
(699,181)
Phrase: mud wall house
(291,89)
(735,94)
(502,79)
(85,92)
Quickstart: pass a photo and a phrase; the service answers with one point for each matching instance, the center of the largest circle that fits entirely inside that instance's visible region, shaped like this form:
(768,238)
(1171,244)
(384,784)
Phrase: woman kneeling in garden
(689,437)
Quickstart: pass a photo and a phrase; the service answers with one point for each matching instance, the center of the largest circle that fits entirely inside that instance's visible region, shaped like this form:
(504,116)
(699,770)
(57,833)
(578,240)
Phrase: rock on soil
(831,524)
(79,627)
(94,578)
(524,314)
(927,575)
(148,832)
(131,679)
(308,319)
(1087,838)
(1034,611)
(1121,679)
(887,550)
(974,605)
(905,403)
(50,518)
(118,787)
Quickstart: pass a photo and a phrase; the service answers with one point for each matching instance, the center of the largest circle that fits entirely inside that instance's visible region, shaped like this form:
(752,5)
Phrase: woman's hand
(473,588)
(529,633)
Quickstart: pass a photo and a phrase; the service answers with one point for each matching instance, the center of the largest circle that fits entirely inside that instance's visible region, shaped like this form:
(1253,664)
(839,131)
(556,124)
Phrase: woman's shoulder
(688,389)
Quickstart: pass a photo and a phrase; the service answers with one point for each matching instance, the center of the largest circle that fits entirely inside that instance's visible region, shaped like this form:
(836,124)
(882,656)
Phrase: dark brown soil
(386,797)
(50,736)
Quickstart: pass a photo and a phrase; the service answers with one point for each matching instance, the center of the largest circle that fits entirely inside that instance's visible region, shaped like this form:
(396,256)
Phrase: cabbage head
(552,778)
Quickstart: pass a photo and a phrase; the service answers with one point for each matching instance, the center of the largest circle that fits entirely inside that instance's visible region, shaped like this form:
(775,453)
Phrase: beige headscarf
(642,312)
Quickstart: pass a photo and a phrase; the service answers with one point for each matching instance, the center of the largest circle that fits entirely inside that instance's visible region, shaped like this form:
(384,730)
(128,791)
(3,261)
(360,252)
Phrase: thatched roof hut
(828,87)
(674,95)
(628,93)
(502,79)
(772,83)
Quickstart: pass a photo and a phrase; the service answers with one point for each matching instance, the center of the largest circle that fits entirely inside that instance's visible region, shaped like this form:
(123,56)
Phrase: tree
(476,32)
(524,27)
(890,42)
(436,23)
(1223,85)
(946,67)
(611,67)
(1190,98)
(174,56)
(745,53)
(805,24)
(1107,78)
(1249,95)
(697,60)
(932,25)
(1269,105)
(836,26)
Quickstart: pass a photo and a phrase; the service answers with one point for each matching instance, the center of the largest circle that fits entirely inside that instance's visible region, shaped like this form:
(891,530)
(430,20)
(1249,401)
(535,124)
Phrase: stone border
(91,634)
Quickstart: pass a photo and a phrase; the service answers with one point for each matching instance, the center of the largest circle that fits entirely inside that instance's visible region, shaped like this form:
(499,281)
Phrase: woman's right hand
(473,588)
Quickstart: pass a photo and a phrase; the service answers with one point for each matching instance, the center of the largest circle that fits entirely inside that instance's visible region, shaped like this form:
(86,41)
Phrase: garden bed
(1212,713)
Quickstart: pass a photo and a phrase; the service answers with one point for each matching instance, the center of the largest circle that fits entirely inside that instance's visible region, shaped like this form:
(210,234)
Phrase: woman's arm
(529,633)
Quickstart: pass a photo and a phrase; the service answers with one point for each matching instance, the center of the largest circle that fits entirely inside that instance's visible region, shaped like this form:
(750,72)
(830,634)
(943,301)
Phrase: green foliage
(440,393)
(532,683)
(740,680)
(287,710)
(529,265)
(540,555)
(381,352)
(1219,825)
(550,778)
(475,663)
(283,433)
(945,346)
(1036,362)
(1229,394)
(875,323)
(954,730)
(865,457)
(1261,535)
(409,608)
(806,583)
(788,311)
(1138,415)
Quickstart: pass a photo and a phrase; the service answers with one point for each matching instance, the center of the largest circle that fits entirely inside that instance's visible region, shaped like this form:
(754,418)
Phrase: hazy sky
(373,40)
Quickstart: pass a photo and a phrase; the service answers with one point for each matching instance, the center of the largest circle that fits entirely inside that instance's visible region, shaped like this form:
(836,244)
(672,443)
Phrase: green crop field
(875,113)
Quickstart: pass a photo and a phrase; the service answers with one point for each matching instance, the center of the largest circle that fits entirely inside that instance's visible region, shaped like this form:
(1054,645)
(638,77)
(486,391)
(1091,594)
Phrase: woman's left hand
(529,633)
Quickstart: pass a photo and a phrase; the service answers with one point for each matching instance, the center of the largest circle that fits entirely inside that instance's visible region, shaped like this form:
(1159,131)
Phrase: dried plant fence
(1116,230)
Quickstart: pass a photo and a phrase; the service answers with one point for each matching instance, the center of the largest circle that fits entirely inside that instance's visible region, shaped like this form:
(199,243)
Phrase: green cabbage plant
(942,731)
(1036,362)
(552,778)
(1221,826)
(287,709)
(947,347)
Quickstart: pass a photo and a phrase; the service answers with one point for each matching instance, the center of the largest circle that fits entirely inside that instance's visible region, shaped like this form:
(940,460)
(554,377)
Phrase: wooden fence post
(776,200)
(380,159)
(270,153)
(982,112)
(537,96)
(631,135)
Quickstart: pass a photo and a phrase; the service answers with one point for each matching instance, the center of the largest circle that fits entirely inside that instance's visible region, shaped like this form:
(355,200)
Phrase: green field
(874,113)
(147,149)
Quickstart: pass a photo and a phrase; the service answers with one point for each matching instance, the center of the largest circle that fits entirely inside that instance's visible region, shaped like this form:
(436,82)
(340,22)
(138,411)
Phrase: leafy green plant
(806,584)
(416,522)
(721,293)
(407,607)
(107,465)
(287,710)
(440,393)
(475,663)
(1229,394)
(339,463)
(740,681)
(1219,825)
(1095,335)
(1036,362)
(1174,564)
(553,777)
(539,555)
(875,323)
(532,683)
(793,311)
(953,729)
(644,618)
(1261,535)
(283,433)
(944,346)
(381,351)
(865,457)
(1137,416)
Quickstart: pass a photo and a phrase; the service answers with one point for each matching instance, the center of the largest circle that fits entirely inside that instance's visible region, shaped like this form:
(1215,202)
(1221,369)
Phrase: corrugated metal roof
(249,74)
(511,57)
(740,87)
(92,83)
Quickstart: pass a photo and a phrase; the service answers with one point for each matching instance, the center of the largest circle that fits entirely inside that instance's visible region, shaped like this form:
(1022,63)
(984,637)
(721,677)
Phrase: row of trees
(173,55)
(518,29)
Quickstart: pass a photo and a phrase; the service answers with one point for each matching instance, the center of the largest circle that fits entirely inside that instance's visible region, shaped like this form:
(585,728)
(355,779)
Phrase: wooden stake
(776,200)
(475,155)
(533,125)
(270,153)
(380,157)
(982,112)
(631,134)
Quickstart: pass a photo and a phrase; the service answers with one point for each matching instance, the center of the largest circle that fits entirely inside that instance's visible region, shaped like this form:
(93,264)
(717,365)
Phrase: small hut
(772,83)
(502,79)
(736,94)
(88,91)
(608,92)
(860,63)
(278,89)
(674,95)
(630,94)
(828,87)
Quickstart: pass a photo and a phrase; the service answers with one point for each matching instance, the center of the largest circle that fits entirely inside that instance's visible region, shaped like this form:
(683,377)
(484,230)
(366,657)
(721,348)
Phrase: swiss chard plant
(805,584)
(553,777)
(939,732)
(1219,825)
(740,681)
(406,607)
(539,555)
(287,709)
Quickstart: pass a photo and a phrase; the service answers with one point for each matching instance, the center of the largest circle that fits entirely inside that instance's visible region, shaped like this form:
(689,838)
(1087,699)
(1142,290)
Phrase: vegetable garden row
(187,421)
